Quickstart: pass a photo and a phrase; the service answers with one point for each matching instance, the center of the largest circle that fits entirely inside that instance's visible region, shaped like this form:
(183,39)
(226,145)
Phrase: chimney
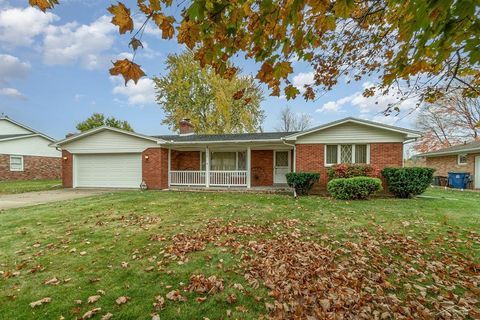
(68,135)
(186,127)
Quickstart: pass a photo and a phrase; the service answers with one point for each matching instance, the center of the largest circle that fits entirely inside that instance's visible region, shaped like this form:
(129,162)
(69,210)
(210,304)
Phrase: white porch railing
(228,178)
(217,178)
(187,178)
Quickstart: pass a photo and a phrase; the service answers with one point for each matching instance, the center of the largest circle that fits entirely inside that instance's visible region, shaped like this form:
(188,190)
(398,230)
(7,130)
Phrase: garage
(122,170)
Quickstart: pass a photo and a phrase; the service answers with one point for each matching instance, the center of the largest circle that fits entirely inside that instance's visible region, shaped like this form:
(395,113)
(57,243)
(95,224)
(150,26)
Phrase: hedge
(356,188)
(302,181)
(345,170)
(408,182)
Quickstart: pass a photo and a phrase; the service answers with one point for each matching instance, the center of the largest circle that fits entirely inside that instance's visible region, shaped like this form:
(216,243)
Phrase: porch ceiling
(230,146)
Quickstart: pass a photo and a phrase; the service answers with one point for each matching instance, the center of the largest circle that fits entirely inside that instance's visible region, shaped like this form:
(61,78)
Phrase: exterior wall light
(146,157)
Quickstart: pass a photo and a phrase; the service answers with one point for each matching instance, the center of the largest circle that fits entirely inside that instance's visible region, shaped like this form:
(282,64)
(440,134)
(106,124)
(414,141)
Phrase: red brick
(310,158)
(262,168)
(155,168)
(444,164)
(67,169)
(185,160)
(34,168)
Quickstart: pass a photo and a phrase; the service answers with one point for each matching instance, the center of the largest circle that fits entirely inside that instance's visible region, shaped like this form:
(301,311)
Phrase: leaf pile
(199,283)
(361,281)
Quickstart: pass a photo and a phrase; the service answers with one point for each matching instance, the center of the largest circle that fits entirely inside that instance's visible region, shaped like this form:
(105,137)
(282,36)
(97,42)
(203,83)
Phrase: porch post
(169,166)
(207,167)
(249,169)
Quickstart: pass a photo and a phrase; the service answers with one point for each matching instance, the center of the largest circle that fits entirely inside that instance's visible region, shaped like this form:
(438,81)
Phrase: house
(459,158)
(109,157)
(25,153)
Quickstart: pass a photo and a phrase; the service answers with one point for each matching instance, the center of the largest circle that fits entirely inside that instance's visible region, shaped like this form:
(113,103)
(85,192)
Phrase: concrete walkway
(19,200)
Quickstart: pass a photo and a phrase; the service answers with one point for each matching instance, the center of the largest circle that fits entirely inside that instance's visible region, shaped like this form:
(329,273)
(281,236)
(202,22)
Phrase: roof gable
(408,133)
(11,130)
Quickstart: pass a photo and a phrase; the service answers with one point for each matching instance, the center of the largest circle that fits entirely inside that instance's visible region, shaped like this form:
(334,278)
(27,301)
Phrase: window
(226,161)
(347,153)
(281,159)
(16,163)
(332,154)
(462,159)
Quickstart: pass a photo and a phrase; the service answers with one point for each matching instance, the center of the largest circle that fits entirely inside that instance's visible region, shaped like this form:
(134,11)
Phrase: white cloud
(12,68)
(86,44)
(334,106)
(301,79)
(137,94)
(19,26)
(12,93)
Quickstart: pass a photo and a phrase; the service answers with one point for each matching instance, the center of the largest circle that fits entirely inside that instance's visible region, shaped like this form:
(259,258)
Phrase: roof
(458,149)
(102,128)
(261,136)
(33,133)
(408,132)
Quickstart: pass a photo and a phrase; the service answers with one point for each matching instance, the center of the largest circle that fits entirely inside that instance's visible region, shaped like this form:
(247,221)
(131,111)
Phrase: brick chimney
(68,135)
(186,127)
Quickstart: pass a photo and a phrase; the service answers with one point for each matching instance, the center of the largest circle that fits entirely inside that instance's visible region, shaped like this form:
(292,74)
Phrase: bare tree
(290,122)
(452,120)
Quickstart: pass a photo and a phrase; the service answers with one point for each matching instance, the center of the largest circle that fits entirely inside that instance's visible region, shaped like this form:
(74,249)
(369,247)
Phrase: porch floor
(279,189)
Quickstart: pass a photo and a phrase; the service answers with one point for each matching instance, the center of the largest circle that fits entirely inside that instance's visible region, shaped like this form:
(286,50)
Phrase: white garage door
(108,170)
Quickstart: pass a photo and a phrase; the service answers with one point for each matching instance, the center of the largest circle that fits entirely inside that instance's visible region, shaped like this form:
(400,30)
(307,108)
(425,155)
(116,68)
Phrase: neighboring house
(460,158)
(25,153)
(108,157)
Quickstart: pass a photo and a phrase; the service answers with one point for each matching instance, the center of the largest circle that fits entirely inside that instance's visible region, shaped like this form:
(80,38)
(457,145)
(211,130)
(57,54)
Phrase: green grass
(8,187)
(116,227)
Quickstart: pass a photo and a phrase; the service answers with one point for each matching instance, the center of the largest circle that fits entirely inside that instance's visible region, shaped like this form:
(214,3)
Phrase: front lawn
(180,255)
(21,186)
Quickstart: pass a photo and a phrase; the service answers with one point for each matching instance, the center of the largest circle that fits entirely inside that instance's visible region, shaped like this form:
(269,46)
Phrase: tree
(97,120)
(452,120)
(425,48)
(190,91)
(289,121)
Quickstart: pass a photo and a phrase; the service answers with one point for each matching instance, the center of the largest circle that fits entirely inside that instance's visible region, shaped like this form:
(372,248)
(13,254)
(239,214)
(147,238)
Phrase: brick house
(460,158)
(25,153)
(108,157)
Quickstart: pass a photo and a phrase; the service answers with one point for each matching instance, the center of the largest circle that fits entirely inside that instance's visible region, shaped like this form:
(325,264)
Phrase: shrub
(345,170)
(302,181)
(354,188)
(408,182)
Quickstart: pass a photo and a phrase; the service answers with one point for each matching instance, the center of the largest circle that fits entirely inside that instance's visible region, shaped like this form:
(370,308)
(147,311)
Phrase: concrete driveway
(10,201)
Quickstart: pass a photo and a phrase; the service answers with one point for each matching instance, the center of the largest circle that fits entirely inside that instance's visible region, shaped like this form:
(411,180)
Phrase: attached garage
(106,157)
(123,170)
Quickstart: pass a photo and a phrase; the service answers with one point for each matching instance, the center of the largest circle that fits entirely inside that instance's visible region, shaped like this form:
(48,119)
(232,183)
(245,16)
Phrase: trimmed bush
(356,188)
(345,170)
(302,181)
(408,182)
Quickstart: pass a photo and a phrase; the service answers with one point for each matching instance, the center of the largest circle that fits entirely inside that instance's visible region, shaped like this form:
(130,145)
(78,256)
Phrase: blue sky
(54,73)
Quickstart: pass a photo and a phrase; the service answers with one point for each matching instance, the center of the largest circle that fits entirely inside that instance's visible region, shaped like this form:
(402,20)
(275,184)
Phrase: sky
(54,74)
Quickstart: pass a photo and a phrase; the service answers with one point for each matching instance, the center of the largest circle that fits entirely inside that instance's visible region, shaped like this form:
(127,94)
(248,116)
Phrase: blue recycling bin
(458,180)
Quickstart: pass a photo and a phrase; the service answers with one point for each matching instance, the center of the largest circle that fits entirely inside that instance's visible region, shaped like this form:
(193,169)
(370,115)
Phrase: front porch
(220,168)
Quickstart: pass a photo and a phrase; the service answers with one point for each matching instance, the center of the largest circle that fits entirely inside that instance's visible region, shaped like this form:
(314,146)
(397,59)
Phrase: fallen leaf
(107,316)
(91,313)
(40,302)
(122,300)
(93,299)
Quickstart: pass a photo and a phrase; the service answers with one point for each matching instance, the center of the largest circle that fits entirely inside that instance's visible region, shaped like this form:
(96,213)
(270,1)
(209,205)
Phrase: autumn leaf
(122,300)
(129,70)
(291,91)
(135,44)
(91,313)
(165,23)
(43,4)
(121,17)
(93,299)
(40,302)
(107,316)
(155,5)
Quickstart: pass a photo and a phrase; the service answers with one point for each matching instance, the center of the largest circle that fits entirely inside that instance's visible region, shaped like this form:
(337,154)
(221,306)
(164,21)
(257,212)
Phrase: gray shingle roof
(471,146)
(225,137)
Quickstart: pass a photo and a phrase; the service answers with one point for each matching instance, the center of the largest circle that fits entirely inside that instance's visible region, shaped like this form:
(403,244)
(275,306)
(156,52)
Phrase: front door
(477,172)
(281,166)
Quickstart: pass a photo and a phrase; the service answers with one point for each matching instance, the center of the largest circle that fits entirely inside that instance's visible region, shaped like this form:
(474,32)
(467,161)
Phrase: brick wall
(444,164)
(67,169)
(185,160)
(34,168)
(262,168)
(310,158)
(155,168)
